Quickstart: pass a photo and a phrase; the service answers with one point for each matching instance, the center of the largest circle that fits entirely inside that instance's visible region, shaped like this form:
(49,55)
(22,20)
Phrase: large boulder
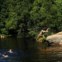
(55,39)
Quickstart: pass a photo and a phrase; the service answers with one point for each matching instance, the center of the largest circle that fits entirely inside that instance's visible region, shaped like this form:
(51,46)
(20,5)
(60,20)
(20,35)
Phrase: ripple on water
(16,56)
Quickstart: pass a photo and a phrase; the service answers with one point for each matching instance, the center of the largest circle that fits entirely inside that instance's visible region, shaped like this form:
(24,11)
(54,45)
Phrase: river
(32,55)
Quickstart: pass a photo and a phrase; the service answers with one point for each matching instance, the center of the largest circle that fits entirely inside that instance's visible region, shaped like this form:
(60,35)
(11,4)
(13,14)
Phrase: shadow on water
(21,52)
(11,43)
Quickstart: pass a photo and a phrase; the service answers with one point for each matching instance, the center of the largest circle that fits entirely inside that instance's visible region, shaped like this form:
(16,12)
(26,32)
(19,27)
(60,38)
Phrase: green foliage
(30,16)
(4,31)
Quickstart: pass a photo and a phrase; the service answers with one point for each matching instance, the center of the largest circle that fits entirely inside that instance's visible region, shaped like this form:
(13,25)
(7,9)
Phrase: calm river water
(32,55)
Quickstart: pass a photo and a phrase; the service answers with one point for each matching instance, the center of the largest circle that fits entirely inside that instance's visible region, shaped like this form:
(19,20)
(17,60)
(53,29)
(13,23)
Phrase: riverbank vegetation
(25,17)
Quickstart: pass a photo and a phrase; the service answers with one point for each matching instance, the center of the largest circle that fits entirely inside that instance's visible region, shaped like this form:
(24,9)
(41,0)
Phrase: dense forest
(25,18)
(21,26)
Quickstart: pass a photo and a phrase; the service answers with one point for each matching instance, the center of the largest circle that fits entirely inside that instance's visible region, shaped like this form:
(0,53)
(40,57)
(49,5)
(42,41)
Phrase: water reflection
(11,50)
(15,54)
(52,56)
(5,56)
